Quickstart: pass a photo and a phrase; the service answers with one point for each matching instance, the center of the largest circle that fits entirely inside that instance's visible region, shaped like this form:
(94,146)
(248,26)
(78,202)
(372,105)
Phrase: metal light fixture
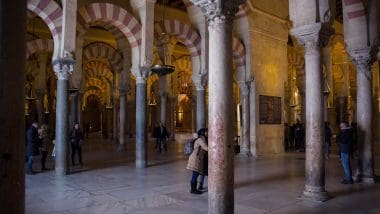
(162,70)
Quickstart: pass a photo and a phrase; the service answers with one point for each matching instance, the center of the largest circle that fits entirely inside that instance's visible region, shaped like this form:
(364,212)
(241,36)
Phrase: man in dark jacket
(76,144)
(345,142)
(162,134)
(32,144)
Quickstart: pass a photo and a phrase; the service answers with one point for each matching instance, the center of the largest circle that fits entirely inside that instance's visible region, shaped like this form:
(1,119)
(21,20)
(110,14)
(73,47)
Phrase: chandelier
(163,69)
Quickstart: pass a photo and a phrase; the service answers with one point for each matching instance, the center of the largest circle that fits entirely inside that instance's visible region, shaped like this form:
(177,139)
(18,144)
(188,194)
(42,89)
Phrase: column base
(60,171)
(316,194)
(140,164)
(244,154)
(121,148)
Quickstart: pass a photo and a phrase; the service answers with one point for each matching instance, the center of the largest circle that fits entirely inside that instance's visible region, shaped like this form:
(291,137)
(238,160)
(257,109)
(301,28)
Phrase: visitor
(162,135)
(299,136)
(197,163)
(328,136)
(287,137)
(76,144)
(345,141)
(32,145)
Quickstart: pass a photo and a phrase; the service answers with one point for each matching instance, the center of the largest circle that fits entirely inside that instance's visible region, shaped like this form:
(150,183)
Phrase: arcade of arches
(242,68)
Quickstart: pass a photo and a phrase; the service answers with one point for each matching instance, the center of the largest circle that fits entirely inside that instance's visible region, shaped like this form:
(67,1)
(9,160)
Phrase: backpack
(189,146)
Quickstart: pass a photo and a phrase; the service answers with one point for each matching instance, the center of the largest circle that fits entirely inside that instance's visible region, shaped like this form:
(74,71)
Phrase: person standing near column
(328,136)
(76,144)
(345,141)
(32,144)
(163,137)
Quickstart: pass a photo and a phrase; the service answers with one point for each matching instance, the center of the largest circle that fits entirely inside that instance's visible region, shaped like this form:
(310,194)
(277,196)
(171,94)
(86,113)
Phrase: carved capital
(308,36)
(63,67)
(244,89)
(141,74)
(200,81)
(219,11)
(361,58)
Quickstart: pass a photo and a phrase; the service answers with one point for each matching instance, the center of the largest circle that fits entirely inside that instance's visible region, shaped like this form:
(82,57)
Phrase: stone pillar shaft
(252,116)
(314,164)
(41,112)
(221,162)
(114,121)
(12,129)
(361,59)
(200,114)
(63,67)
(141,123)
(245,143)
(122,120)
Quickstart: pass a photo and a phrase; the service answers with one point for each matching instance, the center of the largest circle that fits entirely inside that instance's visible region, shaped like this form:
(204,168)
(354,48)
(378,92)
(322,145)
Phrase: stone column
(252,117)
(122,116)
(308,36)
(141,125)
(361,58)
(114,120)
(342,110)
(74,109)
(63,67)
(221,155)
(244,100)
(12,64)
(200,114)
(41,112)
(163,95)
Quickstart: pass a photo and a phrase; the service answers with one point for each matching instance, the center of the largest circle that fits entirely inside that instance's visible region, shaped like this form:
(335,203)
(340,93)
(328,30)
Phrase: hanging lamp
(163,69)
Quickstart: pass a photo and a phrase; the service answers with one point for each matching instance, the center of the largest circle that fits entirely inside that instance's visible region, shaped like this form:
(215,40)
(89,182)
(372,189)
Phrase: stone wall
(268,44)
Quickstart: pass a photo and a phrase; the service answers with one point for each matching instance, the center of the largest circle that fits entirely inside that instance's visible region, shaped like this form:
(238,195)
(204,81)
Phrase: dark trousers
(30,164)
(194,177)
(43,159)
(161,142)
(74,149)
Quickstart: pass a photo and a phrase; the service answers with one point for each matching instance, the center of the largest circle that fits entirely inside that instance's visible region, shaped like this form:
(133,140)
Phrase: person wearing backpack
(196,161)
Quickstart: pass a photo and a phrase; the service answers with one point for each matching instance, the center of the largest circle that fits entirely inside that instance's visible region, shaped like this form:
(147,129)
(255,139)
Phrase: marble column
(74,109)
(342,110)
(141,123)
(244,100)
(308,36)
(41,112)
(12,64)
(361,59)
(163,98)
(220,16)
(200,114)
(63,67)
(252,117)
(122,119)
(114,120)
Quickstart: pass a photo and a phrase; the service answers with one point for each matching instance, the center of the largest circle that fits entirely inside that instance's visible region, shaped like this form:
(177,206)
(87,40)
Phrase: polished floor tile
(109,183)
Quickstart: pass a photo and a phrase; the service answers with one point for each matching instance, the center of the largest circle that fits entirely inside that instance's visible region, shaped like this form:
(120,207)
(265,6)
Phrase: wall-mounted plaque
(269,109)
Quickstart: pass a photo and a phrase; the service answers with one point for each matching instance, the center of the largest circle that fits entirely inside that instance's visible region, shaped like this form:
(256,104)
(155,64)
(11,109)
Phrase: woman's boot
(194,189)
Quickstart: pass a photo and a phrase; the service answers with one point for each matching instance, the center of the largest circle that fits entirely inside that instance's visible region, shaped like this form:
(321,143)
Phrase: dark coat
(156,132)
(345,140)
(328,135)
(162,133)
(32,142)
(76,136)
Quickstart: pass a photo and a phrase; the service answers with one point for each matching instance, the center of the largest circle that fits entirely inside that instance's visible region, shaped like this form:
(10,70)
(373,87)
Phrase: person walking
(32,145)
(76,144)
(345,142)
(163,135)
(197,161)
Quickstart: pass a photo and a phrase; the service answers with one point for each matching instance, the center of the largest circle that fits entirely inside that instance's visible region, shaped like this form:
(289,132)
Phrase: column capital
(308,36)
(63,67)
(200,81)
(141,73)
(219,11)
(122,91)
(361,58)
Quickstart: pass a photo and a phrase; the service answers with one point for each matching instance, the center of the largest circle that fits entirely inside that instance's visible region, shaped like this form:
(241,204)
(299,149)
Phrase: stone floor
(109,183)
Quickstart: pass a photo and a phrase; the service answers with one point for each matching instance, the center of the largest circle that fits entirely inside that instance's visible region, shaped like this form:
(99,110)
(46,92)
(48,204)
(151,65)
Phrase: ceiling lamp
(162,70)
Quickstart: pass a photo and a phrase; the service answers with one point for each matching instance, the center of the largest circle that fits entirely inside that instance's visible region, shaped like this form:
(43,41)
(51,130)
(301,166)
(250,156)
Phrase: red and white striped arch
(238,51)
(100,50)
(116,15)
(98,69)
(51,13)
(98,83)
(184,32)
(353,9)
(95,92)
(38,45)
